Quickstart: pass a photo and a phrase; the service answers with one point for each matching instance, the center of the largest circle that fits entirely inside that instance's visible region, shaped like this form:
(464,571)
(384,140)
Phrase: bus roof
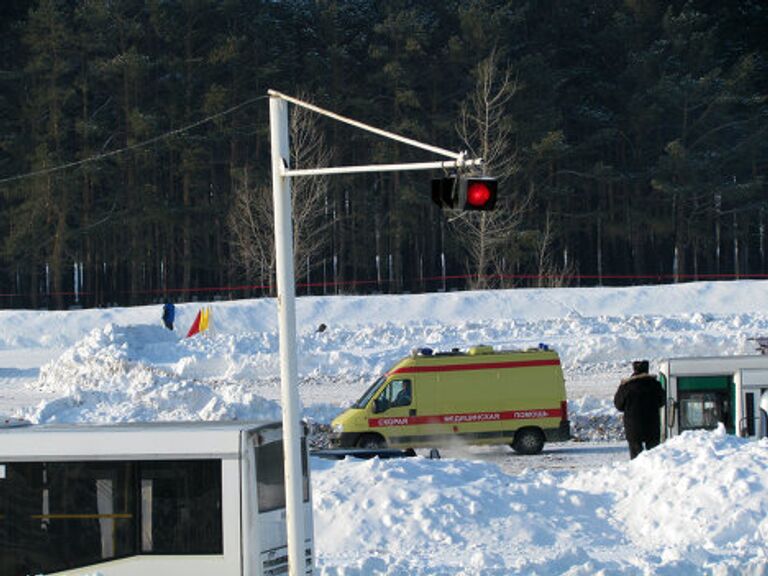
(135,440)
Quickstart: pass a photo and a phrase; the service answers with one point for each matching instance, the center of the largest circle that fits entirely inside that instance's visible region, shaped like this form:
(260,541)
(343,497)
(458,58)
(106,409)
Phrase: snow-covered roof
(137,440)
(704,365)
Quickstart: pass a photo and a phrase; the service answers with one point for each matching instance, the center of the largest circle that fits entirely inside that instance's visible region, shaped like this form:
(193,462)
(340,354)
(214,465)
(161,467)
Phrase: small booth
(706,391)
(191,499)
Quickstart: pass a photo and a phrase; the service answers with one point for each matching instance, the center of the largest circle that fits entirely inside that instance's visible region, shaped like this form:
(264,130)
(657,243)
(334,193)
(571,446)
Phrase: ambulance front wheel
(371,442)
(528,441)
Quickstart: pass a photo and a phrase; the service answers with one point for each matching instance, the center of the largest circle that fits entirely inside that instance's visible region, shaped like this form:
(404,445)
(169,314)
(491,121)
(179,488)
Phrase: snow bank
(147,373)
(696,504)
(129,367)
(697,303)
(136,373)
(699,496)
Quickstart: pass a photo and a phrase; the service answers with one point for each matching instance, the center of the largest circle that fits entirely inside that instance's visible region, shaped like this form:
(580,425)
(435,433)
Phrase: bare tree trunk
(550,274)
(486,131)
(251,221)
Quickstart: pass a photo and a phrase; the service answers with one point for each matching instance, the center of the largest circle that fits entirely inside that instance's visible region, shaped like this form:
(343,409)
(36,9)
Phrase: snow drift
(697,504)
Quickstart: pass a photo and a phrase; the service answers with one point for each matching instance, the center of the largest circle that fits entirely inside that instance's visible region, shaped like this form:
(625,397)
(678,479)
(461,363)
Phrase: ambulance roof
(482,356)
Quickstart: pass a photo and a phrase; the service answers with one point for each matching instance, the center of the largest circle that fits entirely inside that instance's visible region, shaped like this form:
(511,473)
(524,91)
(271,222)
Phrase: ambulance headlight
(338,428)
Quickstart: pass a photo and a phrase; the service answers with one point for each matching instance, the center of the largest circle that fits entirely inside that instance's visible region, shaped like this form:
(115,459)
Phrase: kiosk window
(702,410)
(56,516)
(270,476)
(181,507)
(750,410)
(61,515)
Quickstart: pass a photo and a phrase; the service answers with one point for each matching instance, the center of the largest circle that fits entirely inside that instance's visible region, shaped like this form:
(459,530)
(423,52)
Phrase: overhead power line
(136,146)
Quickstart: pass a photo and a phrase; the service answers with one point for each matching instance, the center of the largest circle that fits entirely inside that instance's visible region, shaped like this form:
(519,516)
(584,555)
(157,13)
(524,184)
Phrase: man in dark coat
(640,396)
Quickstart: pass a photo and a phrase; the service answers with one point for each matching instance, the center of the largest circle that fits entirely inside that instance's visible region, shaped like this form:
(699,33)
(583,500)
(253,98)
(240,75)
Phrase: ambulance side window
(397,394)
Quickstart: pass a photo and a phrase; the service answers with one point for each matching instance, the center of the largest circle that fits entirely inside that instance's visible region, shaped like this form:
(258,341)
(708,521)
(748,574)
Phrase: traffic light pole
(286,289)
(286,310)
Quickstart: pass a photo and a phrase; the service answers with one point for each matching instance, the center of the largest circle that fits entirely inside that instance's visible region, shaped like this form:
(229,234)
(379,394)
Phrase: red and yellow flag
(201,323)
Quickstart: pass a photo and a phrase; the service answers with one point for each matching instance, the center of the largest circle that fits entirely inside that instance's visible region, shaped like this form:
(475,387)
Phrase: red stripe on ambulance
(478,366)
(468,418)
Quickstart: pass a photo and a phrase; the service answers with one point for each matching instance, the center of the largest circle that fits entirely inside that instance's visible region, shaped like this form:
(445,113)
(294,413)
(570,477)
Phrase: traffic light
(477,193)
(465,192)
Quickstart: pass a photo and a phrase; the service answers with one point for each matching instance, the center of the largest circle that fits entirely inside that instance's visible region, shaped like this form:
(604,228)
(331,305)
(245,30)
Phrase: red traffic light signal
(465,192)
(477,193)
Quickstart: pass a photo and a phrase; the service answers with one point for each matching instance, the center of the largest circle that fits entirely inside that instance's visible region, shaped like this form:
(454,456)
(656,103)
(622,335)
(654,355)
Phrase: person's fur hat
(640,367)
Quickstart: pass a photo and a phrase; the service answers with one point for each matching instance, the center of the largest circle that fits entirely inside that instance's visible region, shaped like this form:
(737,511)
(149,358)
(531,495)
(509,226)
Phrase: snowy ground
(697,504)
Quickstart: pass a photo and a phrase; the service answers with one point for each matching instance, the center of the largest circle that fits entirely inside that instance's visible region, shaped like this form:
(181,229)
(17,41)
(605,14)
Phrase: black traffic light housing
(444,192)
(465,192)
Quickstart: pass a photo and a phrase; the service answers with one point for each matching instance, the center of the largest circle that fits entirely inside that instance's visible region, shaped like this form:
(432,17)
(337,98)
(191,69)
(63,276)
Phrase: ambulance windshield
(365,398)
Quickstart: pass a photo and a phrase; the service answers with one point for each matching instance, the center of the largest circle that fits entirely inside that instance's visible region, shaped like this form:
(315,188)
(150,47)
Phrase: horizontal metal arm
(381,168)
(355,123)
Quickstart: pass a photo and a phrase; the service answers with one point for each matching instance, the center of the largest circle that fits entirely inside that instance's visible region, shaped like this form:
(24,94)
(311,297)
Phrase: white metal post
(286,306)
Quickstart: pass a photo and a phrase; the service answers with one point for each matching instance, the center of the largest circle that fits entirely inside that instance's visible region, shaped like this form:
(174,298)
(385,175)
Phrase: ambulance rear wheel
(528,441)
(371,442)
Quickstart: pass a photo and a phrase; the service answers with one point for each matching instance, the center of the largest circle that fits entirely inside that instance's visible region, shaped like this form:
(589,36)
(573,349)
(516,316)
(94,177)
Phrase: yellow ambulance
(480,396)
